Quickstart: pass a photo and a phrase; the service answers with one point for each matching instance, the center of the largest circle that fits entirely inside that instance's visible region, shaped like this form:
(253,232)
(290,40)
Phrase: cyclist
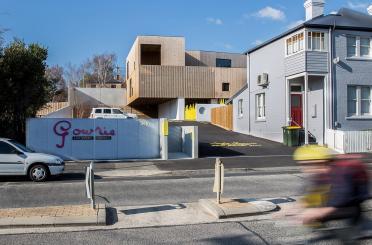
(339,185)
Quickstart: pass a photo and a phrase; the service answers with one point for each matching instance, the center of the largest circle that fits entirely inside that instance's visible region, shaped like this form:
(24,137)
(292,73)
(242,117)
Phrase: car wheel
(38,173)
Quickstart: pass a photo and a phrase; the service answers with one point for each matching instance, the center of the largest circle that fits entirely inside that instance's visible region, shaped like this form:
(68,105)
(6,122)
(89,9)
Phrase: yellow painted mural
(190,112)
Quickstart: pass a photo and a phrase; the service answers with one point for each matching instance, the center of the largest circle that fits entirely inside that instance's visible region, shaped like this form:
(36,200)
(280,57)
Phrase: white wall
(89,139)
(95,96)
(203,112)
(65,112)
(241,122)
(269,59)
(174,109)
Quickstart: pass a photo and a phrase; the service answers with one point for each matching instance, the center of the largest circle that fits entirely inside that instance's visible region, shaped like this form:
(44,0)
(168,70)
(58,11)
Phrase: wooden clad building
(159,69)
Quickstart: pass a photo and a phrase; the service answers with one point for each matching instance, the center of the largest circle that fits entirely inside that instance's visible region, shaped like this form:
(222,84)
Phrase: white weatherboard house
(317,75)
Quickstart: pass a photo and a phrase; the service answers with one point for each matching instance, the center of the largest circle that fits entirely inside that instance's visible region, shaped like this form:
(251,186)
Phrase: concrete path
(71,215)
(145,216)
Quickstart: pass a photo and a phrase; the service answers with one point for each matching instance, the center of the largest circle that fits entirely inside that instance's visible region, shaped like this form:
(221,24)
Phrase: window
(359,47)
(296,88)
(225,87)
(289,46)
(5,148)
(127,70)
(98,111)
(359,101)
(117,111)
(351,101)
(240,108)
(107,111)
(365,47)
(260,106)
(316,41)
(223,62)
(295,44)
(130,88)
(20,146)
(351,46)
(365,98)
(150,54)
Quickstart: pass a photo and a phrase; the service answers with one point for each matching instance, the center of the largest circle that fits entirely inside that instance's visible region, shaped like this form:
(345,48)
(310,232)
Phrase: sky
(74,30)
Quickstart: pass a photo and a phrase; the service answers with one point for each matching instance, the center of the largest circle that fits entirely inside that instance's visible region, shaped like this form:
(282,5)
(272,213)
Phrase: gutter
(249,92)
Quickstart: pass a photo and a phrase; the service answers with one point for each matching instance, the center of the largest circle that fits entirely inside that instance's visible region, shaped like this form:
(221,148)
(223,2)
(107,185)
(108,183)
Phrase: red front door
(296,109)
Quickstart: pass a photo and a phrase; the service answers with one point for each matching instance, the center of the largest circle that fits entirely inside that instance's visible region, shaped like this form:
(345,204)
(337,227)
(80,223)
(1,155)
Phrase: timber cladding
(188,81)
(223,117)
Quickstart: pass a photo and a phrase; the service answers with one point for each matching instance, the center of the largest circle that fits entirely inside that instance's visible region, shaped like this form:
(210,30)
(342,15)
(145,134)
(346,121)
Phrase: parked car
(115,113)
(17,159)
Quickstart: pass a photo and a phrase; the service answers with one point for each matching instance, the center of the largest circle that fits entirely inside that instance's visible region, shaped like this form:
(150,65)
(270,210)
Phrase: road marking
(267,156)
(235,144)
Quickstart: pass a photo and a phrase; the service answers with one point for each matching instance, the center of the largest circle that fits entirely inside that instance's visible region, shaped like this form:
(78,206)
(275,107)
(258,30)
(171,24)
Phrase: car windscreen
(20,146)
(116,111)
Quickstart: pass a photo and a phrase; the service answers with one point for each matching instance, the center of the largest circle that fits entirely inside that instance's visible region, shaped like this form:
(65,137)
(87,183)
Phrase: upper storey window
(351,46)
(316,41)
(223,63)
(150,54)
(359,47)
(295,44)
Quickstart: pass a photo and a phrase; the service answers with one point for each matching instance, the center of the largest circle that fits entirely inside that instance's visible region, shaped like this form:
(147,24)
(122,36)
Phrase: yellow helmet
(312,153)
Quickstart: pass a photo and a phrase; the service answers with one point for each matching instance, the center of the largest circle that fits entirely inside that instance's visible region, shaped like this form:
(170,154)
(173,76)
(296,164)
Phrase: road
(272,181)
(160,190)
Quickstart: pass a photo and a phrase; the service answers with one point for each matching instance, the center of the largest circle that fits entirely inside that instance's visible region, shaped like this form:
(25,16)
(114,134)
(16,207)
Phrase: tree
(99,69)
(104,66)
(54,75)
(24,88)
(73,75)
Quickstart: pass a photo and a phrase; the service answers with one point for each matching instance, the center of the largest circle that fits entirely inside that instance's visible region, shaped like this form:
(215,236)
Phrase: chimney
(369,9)
(118,73)
(314,8)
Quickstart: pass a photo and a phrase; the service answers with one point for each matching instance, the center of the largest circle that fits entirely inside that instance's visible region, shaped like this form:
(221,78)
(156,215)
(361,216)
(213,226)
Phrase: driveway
(217,142)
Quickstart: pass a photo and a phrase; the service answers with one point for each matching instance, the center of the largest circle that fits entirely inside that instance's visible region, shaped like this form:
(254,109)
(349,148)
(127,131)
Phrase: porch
(306,105)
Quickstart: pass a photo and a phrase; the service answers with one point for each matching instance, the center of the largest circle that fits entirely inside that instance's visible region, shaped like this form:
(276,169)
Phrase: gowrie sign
(89,139)
(63,128)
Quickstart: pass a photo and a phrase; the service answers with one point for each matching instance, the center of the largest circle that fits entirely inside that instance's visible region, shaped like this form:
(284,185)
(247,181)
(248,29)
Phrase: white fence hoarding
(350,141)
(94,139)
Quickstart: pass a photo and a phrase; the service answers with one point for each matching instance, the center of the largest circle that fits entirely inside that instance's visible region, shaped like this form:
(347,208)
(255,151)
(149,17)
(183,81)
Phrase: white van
(114,113)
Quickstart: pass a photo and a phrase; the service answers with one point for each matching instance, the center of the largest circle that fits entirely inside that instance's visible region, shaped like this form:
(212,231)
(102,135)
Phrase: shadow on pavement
(63,177)
(153,209)
(242,239)
(207,150)
(111,216)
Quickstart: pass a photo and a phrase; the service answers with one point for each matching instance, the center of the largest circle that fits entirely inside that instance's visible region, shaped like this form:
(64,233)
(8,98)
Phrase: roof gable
(344,19)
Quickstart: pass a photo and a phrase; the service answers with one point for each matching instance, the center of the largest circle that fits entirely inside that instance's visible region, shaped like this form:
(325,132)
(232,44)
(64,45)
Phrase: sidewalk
(146,216)
(79,215)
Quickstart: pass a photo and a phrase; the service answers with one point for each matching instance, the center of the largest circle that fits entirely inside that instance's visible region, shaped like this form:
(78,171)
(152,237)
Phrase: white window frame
(296,46)
(359,101)
(358,47)
(260,107)
(323,43)
(240,108)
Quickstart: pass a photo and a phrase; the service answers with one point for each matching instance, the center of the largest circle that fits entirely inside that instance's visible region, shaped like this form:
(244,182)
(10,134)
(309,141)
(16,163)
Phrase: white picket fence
(350,141)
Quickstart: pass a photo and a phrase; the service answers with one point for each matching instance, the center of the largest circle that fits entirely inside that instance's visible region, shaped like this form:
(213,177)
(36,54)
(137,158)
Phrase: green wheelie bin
(291,136)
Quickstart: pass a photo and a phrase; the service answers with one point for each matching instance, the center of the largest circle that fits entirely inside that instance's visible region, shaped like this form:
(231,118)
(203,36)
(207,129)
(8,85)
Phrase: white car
(114,113)
(17,159)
